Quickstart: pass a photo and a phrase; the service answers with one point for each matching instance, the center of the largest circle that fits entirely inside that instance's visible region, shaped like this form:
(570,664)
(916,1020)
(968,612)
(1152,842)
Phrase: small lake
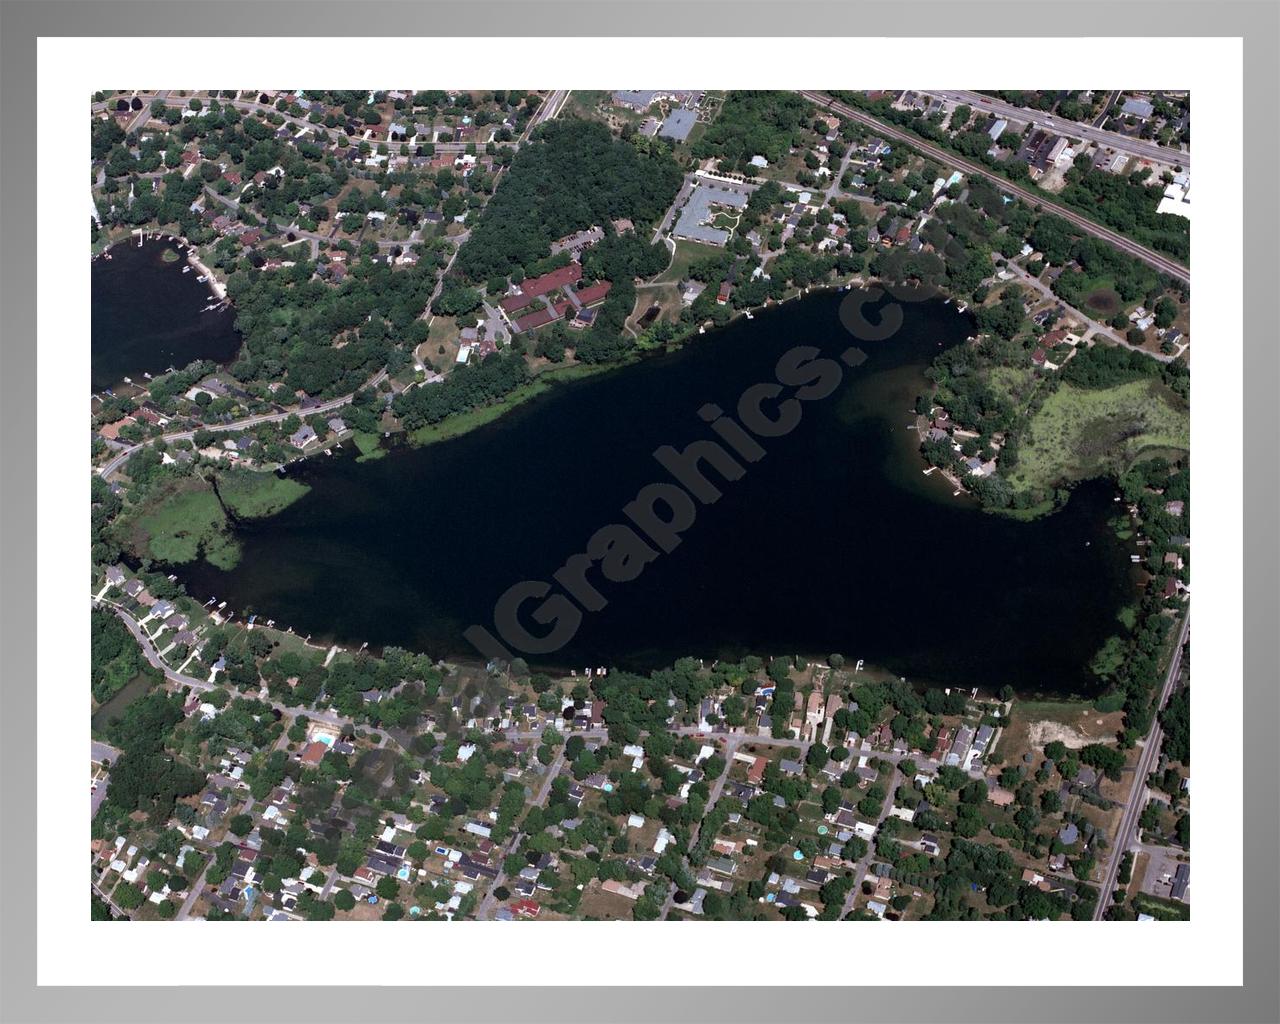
(835,541)
(109,712)
(148,315)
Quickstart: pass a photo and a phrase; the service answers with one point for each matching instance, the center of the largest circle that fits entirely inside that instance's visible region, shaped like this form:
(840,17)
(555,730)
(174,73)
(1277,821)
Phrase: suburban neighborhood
(405,267)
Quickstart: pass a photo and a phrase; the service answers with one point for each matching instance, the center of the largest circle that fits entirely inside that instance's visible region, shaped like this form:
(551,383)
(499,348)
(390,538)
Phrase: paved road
(864,862)
(669,218)
(730,748)
(551,106)
(203,685)
(197,887)
(249,421)
(489,902)
(115,910)
(98,753)
(144,115)
(1137,798)
(1094,327)
(1074,129)
(1163,264)
(1101,119)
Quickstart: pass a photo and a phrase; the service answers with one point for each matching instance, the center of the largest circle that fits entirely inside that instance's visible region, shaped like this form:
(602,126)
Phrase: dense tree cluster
(467,387)
(115,656)
(751,123)
(573,175)
(146,777)
(290,322)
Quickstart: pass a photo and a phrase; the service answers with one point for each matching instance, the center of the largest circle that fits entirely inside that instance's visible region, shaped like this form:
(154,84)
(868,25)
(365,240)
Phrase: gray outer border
(1257,22)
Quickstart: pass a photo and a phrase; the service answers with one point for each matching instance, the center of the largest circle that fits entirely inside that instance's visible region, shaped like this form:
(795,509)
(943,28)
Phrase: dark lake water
(148,315)
(833,542)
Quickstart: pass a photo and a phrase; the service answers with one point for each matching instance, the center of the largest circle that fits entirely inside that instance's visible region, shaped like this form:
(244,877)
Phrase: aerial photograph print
(640,505)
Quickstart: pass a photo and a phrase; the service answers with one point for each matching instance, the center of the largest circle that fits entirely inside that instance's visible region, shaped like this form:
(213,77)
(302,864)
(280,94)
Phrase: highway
(551,106)
(1163,264)
(1137,796)
(1073,129)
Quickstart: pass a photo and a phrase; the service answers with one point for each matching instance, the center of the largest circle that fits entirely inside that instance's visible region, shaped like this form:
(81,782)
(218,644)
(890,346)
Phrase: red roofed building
(544,285)
(756,772)
(543,316)
(526,908)
(553,281)
(313,753)
(594,293)
(513,303)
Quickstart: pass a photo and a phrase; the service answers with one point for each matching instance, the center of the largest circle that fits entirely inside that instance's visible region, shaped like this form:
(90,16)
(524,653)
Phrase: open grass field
(686,253)
(1081,433)
(369,445)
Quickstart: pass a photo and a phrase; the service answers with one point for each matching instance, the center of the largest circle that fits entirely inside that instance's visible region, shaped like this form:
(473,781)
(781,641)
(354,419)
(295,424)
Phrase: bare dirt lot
(1073,723)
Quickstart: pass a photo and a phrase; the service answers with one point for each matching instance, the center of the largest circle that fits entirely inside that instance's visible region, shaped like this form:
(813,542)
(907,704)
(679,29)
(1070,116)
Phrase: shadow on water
(833,542)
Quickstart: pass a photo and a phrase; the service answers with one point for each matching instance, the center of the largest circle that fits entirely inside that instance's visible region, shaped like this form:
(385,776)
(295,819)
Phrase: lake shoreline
(378,554)
(151,313)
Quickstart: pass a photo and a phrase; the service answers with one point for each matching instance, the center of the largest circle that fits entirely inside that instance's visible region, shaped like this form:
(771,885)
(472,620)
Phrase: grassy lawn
(370,446)
(445,335)
(686,253)
(1161,910)
(666,297)
(1080,433)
